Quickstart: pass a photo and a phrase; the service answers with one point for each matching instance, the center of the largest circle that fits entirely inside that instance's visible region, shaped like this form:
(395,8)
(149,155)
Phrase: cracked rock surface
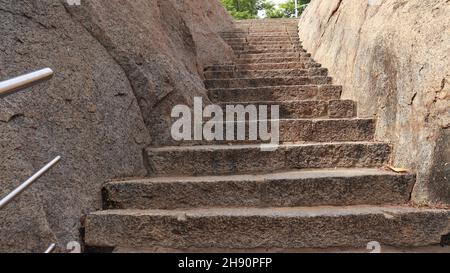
(119,67)
(393,58)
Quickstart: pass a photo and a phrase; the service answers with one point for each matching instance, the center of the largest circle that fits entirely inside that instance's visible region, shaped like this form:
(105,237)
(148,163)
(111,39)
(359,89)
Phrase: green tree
(248,9)
(243,9)
(285,10)
(288,8)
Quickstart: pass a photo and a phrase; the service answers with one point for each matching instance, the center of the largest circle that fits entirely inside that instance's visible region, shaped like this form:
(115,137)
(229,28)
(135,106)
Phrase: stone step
(241,34)
(251,228)
(292,23)
(244,51)
(287,45)
(274,60)
(266,27)
(436,248)
(268,49)
(305,130)
(244,45)
(267,22)
(257,56)
(259,31)
(262,39)
(257,82)
(262,36)
(278,94)
(239,159)
(266,73)
(338,187)
(266,43)
(264,56)
(307,109)
(262,66)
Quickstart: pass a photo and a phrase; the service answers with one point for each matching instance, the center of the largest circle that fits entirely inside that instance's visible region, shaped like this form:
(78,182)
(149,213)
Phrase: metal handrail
(10,197)
(14,85)
(50,249)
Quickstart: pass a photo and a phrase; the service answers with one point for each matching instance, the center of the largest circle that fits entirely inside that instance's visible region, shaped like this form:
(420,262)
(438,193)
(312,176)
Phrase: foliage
(284,10)
(243,9)
(248,9)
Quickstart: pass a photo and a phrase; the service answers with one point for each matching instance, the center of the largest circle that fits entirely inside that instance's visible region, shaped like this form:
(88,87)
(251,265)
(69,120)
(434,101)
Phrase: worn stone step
(266,27)
(250,228)
(269,49)
(261,36)
(243,45)
(256,82)
(329,187)
(304,130)
(436,248)
(266,43)
(245,51)
(256,56)
(304,64)
(251,34)
(264,56)
(262,39)
(266,73)
(278,94)
(272,46)
(262,66)
(275,60)
(267,22)
(260,31)
(243,27)
(238,159)
(307,109)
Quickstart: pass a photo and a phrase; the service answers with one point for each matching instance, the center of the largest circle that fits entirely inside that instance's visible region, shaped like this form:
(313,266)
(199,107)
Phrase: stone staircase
(324,188)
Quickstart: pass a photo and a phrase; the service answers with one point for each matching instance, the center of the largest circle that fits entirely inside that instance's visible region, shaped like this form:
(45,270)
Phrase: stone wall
(119,68)
(393,58)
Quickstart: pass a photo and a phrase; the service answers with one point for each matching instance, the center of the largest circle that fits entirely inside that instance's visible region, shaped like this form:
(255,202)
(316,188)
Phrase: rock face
(392,57)
(120,66)
(162,47)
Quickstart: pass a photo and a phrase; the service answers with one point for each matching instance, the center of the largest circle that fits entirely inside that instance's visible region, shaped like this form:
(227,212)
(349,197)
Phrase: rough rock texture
(118,71)
(393,58)
(157,43)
